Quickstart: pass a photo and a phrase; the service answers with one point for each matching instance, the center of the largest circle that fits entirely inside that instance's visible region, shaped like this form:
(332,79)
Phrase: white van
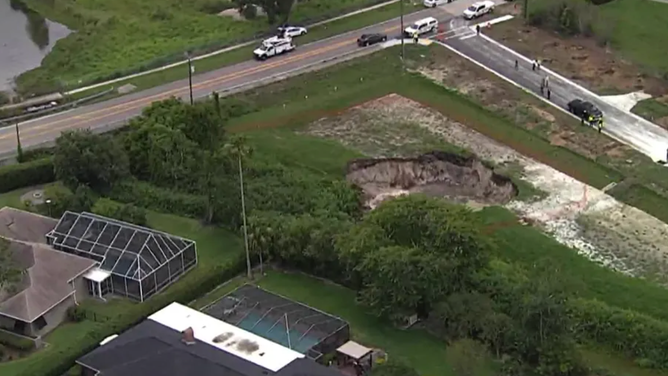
(272,47)
(435,3)
(423,26)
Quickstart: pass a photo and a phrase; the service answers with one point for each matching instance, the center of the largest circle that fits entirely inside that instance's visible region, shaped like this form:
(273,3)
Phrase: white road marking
(467,36)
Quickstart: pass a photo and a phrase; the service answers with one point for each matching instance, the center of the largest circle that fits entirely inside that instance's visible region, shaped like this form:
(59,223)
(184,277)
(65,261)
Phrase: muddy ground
(625,238)
(461,179)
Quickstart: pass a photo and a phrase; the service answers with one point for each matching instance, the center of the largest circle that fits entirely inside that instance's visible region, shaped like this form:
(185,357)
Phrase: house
(50,281)
(180,341)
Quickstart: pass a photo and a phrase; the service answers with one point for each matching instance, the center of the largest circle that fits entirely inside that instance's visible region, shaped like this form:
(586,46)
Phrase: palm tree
(238,148)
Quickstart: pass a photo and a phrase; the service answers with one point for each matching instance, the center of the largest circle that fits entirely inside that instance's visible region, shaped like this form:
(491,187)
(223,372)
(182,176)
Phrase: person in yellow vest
(415,37)
(600,125)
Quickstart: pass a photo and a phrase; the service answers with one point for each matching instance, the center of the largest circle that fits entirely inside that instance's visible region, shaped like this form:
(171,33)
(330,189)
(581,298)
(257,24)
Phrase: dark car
(584,110)
(369,39)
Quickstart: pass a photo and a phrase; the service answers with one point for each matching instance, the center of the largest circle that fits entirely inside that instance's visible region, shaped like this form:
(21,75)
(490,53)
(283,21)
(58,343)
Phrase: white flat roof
(354,350)
(97,275)
(235,341)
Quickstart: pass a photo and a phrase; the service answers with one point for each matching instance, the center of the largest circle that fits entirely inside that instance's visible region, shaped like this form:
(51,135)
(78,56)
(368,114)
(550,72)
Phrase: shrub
(123,212)
(626,331)
(76,314)
(160,199)
(15,341)
(26,174)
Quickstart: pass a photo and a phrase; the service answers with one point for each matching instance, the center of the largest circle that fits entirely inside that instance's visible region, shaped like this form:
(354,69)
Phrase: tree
(238,149)
(84,158)
(273,8)
(411,252)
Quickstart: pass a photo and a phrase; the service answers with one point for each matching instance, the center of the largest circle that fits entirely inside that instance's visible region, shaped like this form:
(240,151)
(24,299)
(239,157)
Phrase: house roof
(156,349)
(24,226)
(45,283)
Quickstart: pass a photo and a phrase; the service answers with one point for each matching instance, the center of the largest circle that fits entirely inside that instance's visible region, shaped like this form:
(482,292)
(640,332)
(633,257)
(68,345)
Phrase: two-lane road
(115,112)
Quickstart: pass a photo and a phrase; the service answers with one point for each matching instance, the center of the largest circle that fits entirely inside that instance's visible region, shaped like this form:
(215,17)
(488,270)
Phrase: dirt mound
(438,174)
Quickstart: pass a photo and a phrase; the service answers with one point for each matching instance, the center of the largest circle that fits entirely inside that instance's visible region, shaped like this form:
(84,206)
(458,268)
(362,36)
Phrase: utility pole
(243,214)
(190,77)
(403,48)
(19,149)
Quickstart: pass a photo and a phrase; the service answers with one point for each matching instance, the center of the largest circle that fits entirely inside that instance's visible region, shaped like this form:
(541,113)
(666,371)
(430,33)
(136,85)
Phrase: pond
(25,38)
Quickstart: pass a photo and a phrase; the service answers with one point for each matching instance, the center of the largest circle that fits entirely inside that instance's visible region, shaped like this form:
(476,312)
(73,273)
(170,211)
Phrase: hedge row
(16,342)
(148,196)
(198,282)
(21,175)
(641,337)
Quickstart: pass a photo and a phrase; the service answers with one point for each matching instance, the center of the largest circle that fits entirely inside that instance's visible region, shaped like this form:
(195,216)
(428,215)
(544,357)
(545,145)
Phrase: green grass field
(123,37)
(639,27)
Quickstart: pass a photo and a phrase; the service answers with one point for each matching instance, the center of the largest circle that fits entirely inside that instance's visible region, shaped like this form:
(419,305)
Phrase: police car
(478,9)
(272,47)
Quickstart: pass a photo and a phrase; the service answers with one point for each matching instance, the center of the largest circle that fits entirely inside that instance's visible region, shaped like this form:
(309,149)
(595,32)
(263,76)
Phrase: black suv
(584,110)
(369,39)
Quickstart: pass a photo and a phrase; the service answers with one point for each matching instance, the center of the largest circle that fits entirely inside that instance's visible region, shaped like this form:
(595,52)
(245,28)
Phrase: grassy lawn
(124,37)
(651,108)
(527,245)
(13,198)
(639,27)
(218,293)
(64,335)
(245,53)
(423,352)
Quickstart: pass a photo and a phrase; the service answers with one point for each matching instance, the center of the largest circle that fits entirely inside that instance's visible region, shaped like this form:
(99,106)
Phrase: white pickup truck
(479,9)
(272,47)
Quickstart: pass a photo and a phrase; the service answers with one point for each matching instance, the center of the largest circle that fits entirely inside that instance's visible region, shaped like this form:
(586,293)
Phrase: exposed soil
(580,59)
(453,71)
(392,123)
(438,174)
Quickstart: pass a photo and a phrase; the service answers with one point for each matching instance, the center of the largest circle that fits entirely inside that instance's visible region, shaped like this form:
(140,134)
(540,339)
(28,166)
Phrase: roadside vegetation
(517,300)
(114,39)
(632,28)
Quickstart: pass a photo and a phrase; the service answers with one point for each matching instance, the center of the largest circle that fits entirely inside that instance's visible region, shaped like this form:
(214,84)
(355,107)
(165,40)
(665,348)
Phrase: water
(25,38)
(277,333)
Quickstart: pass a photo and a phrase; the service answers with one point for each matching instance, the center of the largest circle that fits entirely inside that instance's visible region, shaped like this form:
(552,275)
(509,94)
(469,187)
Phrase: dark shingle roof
(24,226)
(46,281)
(153,349)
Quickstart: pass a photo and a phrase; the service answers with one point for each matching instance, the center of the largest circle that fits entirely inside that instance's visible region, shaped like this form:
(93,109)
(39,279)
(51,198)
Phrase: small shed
(353,354)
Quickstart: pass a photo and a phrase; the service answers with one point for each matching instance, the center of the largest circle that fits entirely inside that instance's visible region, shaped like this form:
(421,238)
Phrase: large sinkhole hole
(438,174)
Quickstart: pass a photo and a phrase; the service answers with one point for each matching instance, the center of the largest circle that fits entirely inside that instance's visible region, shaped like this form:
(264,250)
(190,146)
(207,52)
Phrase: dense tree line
(416,255)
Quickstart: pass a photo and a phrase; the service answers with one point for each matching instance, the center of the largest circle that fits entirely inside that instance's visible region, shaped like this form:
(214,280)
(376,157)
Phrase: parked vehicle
(272,47)
(479,9)
(291,31)
(369,39)
(586,111)
(435,3)
(423,26)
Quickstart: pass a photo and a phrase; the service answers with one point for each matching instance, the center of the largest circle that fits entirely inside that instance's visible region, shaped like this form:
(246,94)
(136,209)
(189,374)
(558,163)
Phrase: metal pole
(243,214)
(403,49)
(190,79)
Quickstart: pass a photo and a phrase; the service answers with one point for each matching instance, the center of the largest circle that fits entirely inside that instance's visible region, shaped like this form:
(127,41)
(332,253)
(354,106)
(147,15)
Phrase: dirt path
(579,216)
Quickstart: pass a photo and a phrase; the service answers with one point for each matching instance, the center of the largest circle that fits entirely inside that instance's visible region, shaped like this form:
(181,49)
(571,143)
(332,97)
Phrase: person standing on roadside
(415,37)
(477,29)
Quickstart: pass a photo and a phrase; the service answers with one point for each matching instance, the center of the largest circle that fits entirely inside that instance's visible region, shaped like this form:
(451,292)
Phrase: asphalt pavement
(115,112)
(628,128)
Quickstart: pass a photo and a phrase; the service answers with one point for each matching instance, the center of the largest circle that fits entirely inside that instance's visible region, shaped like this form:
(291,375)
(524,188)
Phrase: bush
(634,334)
(122,212)
(193,285)
(160,199)
(76,314)
(16,342)
(26,174)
